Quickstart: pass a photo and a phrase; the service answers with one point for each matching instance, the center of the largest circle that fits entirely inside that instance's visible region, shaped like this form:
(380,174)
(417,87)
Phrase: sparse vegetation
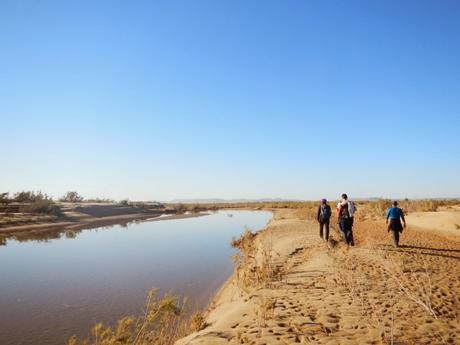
(254,269)
(44,206)
(197,322)
(72,197)
(124,202)
(36,202)
(164,320)
(377,208)
(29,196)
(4,198)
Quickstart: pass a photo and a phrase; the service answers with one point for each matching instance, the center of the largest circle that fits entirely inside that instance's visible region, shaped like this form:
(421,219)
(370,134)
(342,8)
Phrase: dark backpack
(325,212)
(344,213)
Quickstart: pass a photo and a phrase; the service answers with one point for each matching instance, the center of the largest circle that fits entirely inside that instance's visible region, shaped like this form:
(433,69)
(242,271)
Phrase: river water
(52,289)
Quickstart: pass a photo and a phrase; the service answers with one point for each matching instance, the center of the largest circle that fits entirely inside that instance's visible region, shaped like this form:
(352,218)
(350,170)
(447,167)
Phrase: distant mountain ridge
(222,201)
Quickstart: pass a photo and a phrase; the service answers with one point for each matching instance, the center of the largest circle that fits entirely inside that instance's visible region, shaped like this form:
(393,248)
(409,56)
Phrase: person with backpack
(345,213)
(323,216)
(395,214)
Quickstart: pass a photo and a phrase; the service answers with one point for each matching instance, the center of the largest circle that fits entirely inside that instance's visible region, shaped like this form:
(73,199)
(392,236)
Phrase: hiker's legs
(395,235)
(350,237)
(321,225)
(349,232)
(344,229)
(352,221)
(327,230)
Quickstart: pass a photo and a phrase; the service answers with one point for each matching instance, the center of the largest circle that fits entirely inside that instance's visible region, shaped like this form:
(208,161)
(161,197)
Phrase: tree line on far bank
(39,202)
(42,203)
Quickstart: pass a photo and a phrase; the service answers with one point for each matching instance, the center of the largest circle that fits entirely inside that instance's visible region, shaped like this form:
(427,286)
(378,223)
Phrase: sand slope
(329,294)
(445,221)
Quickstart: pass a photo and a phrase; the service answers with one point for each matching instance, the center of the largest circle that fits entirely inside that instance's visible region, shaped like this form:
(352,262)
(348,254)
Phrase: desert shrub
(43,205)
(71,197)
(254,269)
(28,196)
(124,202)
(4,198)
(197,322)
(164,320)
(245,242)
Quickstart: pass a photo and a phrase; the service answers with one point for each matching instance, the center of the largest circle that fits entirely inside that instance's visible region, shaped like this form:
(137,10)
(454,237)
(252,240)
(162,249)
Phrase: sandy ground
(447,221)
(327,293)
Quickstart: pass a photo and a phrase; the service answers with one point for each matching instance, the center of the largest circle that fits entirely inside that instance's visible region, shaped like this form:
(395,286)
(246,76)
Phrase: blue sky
(232,99)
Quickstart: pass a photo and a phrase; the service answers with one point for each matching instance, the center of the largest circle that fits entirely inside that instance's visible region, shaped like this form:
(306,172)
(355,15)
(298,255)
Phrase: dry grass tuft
(255,269)
(197,322)
(164,321)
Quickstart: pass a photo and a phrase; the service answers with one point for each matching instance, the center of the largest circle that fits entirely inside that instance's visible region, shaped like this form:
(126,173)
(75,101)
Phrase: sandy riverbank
(87,217)
(320,293)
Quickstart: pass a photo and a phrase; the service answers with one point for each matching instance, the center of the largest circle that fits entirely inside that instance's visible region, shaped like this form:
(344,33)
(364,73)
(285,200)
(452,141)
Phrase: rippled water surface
(52,289)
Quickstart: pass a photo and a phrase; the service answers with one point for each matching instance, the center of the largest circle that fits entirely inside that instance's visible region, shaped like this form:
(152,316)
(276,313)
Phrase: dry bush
(197,322)
(255,269)
(265,310)
(29,196)
(71,197)
(164,321)
(4,198)
(414,284)
(124,202)
(44,206)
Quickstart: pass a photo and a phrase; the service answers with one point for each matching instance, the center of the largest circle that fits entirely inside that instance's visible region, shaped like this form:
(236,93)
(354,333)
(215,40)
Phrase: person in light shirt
(345,213)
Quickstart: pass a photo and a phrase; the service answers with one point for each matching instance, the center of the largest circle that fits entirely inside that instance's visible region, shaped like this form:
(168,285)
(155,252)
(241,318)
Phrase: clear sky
(231,99)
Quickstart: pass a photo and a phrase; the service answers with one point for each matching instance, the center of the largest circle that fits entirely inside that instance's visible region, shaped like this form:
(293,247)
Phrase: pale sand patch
(447,221)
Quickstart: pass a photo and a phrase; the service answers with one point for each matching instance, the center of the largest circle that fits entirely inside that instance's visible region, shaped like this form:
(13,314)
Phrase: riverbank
(291,287)
(80,217)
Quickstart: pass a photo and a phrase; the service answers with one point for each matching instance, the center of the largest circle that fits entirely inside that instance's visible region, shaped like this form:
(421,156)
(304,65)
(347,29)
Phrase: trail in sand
(331,294)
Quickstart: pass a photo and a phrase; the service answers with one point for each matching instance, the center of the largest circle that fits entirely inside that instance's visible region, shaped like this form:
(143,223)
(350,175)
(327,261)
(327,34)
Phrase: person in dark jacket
(394,215)
(323,216)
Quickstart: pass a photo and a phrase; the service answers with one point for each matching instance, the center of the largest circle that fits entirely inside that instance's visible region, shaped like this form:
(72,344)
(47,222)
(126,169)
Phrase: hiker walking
(345,212)
(323,216)
(395,214)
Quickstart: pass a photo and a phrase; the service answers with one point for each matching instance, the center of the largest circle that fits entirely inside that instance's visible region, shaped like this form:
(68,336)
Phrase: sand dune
(446,221)
(331,294)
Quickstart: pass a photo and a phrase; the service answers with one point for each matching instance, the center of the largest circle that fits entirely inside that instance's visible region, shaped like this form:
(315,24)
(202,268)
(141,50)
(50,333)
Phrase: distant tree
(124,202)
(4,198)
(72,197)
(30,196)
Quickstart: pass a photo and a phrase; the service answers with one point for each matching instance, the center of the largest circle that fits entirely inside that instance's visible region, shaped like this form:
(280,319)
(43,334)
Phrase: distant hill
(222,201)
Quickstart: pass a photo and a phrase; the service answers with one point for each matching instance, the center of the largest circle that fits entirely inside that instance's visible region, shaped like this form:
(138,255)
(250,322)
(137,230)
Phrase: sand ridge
(330,294)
